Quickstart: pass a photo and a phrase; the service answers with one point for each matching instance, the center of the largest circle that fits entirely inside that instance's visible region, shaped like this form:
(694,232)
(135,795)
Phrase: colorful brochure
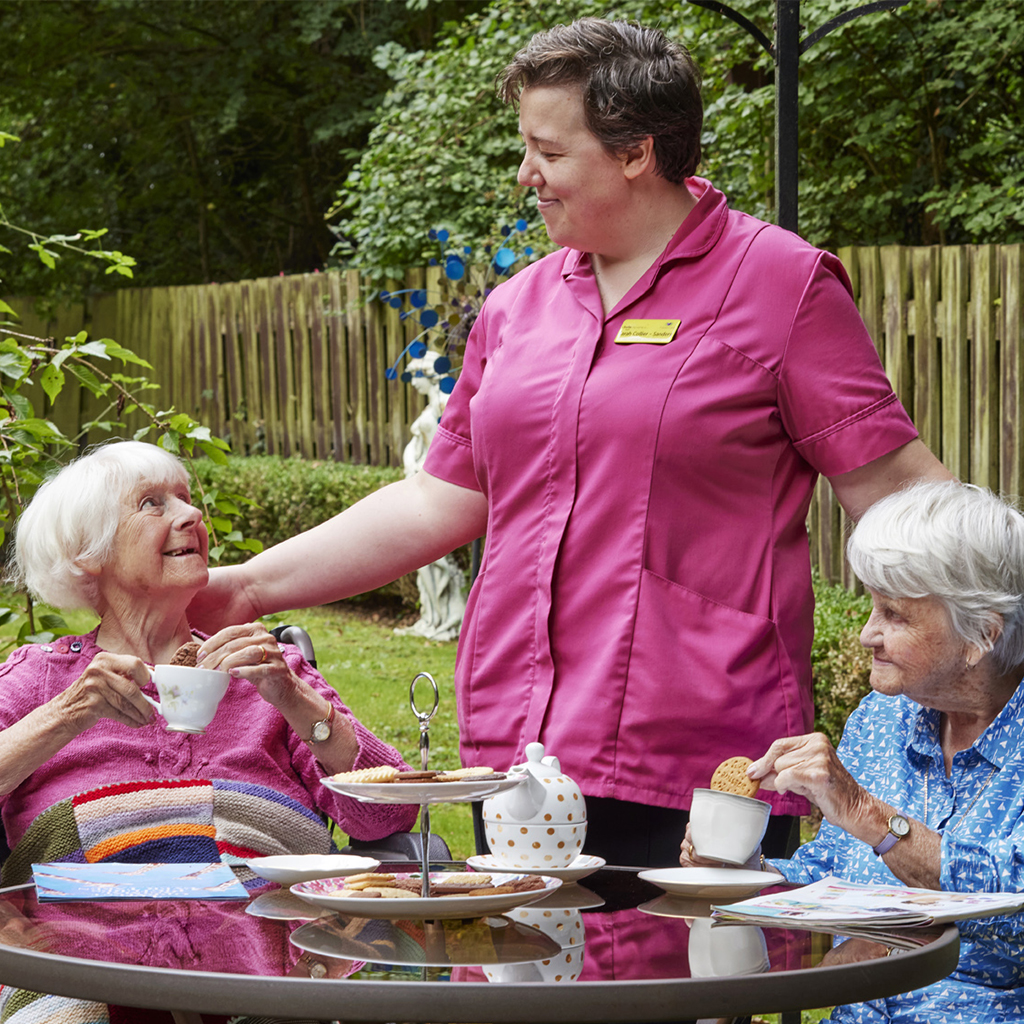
(112,881)
(832,902)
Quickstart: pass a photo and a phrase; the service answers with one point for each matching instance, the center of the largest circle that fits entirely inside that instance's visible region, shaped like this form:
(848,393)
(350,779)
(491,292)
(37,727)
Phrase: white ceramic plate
(669,905)
(288,869)
(421,792)
(443,943)
(282,905)
(582,866)
(324,893)
(713,883)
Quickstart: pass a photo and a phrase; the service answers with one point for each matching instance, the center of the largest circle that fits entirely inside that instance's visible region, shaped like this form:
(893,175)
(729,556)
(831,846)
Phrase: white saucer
(714,883)
(582,866)
(288,869)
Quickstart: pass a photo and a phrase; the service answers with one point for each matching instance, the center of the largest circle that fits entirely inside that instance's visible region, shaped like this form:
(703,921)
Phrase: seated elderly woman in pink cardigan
(87,770)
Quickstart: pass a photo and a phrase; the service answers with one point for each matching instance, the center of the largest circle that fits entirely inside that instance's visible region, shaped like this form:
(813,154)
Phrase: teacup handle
(147,698)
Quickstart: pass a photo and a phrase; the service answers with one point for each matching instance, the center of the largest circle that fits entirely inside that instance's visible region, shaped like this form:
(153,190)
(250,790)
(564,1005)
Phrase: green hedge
(292,495)
(839,664)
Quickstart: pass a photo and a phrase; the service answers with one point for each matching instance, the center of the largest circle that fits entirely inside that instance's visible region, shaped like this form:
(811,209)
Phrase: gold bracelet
(764,866)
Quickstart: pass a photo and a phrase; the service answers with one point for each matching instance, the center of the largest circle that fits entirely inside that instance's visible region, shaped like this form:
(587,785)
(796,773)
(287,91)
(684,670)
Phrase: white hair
(70,523)
(955,542)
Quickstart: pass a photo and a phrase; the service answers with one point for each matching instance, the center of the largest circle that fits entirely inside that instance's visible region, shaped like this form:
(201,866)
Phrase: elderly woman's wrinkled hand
(809,766)
(109,688)
(250,652)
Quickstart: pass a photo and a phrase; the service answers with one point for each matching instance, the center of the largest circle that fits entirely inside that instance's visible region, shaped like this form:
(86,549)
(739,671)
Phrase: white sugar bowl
(542,822)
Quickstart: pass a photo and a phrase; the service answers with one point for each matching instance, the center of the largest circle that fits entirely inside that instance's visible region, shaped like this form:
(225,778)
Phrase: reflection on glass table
(617,947)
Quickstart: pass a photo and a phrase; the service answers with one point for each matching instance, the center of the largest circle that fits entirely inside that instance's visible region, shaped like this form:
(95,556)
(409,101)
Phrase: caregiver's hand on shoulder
(809,766)
(224,601)
(108,688)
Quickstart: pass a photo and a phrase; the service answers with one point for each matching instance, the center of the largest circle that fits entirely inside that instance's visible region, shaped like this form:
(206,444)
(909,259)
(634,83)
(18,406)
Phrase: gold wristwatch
(322,729)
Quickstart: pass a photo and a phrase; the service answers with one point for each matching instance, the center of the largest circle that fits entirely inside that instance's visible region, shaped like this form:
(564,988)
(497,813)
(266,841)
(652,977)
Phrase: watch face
(899,825)
(321,731)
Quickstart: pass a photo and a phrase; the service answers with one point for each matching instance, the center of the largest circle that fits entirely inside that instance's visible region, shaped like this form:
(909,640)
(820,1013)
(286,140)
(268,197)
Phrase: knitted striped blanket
(169,821)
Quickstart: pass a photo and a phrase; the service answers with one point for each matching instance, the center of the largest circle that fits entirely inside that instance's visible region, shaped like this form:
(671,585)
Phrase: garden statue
(442,583)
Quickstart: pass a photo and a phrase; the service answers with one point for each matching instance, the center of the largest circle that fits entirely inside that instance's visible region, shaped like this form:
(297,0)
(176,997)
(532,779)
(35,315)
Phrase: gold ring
(263,656)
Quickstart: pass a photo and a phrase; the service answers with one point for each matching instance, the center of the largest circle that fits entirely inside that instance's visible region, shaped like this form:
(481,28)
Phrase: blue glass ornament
(454,268)
(447,385)
(442,364)
(417,350)
(429,318)
(504,258)
(418,298)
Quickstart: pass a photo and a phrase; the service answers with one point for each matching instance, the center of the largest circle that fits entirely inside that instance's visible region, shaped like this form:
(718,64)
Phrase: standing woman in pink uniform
(637,428)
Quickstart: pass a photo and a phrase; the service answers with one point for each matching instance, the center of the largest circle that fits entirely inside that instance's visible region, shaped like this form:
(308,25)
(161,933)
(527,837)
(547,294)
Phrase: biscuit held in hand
(731,777)
(186,655)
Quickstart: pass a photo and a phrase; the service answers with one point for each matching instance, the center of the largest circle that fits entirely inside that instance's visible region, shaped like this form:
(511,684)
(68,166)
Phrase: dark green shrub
(292,495)
(839,664)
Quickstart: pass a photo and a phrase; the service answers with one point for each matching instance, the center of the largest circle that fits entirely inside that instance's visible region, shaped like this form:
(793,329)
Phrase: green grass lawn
(371,668)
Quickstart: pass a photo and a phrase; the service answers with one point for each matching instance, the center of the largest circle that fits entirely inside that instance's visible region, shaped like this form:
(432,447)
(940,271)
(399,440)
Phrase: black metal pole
(787,111)
(785,51)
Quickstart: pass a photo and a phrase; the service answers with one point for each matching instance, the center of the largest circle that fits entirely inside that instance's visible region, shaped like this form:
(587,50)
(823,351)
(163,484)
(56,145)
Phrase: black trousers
(638,835)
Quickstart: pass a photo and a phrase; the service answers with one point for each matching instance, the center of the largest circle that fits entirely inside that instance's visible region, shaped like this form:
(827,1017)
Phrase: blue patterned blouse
(891,746)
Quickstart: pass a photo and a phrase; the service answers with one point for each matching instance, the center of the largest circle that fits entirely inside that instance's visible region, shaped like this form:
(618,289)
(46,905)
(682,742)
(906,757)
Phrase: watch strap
(893,836)
(890,840)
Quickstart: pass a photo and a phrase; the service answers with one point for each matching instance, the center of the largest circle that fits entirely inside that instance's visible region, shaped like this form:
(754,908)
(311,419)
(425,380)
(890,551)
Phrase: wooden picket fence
(295,366)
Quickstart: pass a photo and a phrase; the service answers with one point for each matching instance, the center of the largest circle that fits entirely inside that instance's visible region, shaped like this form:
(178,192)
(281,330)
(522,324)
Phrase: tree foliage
(34,372)
(910,129)
(208,134)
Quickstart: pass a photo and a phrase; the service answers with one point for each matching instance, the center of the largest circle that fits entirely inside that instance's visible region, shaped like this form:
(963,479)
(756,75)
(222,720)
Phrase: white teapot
(542,822)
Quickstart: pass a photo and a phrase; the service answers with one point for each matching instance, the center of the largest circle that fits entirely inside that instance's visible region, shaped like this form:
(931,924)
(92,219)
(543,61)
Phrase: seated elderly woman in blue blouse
(927,786)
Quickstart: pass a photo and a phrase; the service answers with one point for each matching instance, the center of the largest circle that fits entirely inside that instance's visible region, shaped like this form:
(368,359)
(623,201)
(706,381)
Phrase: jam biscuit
(731,777)
(361,881)
(385,773)
(185,655)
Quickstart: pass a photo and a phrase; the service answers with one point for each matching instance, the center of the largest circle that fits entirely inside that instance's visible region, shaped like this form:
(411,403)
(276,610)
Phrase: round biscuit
(731,777)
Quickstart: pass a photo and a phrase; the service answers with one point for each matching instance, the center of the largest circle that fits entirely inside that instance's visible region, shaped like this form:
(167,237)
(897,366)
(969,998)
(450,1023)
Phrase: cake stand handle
(424,718)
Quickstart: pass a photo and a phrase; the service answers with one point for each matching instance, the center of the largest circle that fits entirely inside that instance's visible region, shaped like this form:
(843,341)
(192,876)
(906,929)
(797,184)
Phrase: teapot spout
(524,801)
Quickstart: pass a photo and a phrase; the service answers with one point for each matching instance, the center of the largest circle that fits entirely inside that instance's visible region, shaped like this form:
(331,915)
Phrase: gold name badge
(647,332)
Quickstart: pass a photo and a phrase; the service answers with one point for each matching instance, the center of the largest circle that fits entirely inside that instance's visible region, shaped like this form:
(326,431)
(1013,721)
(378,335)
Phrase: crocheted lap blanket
(168,821)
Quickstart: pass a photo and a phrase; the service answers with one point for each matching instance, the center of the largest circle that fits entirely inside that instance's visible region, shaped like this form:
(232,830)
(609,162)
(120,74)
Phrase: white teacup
(718,951)
(727,827)
(189,697)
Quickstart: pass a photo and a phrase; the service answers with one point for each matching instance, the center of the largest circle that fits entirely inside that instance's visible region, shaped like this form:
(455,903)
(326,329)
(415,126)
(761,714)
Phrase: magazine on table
(58,880)
(833,903)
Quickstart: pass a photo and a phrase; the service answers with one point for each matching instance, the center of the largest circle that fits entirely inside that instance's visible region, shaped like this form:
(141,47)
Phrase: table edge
(664,999)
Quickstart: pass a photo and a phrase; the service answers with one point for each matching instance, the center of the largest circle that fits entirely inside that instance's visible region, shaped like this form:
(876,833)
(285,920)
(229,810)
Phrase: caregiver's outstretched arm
(393,531)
